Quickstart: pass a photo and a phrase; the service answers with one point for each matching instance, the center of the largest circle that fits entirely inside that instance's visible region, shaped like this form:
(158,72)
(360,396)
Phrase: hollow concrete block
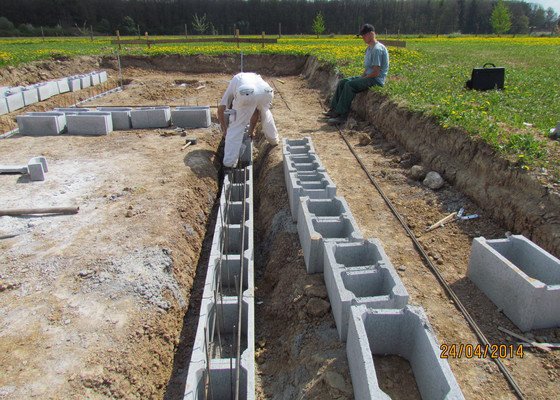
(150,117)
(14,100)
(103,76)
(94,78)
(406,333)
(72,110)
(120,117)
(46,90)
(74,83)
(302,163)
(30,95)
(3,106)
(63,85)
(315,232)
(520,278)
(85,81)
(316,185)
(191,117)
(89,123)
(298,146)
(360,273)
(41,123)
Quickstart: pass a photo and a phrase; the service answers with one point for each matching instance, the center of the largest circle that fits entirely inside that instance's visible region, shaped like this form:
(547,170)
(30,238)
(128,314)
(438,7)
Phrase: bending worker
(247,97)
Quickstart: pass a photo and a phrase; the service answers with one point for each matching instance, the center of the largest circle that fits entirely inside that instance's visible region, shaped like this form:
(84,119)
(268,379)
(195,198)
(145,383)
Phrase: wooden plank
(162,41)
(394,43)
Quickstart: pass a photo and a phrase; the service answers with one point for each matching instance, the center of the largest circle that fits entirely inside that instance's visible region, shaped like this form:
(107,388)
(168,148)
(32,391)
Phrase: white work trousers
(244,107)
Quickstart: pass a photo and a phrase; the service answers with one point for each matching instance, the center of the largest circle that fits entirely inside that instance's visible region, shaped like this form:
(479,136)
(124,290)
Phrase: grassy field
(427,76)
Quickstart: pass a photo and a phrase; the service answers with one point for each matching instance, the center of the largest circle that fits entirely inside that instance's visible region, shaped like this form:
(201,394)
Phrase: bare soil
(94,305)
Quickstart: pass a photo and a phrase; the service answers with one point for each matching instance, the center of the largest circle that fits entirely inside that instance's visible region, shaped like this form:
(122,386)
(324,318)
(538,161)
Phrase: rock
(336,381)
(417,172)
(402,268)
(364,139)
(86,273)
(315,291)
(317,307)
(433,180)
(351,123)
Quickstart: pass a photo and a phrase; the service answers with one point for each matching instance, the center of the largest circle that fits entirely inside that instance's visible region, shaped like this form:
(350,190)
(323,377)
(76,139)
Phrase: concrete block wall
(89,123)
(150,117)
(368,299)
(316,185)
(74,83)
(46,90)
(520,278)
(30,95)
(63,85)
(14,100)
(41,123)
(360,273)
(120,117)
(212,371)
(406,333)
(191,117)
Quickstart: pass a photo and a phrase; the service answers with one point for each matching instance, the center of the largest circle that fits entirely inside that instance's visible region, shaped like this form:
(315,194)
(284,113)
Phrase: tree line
(134,17)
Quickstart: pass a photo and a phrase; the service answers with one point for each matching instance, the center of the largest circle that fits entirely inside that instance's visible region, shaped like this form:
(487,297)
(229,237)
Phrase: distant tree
(129,27)
(500,18)
(319,24)
(520,24)
(551,19)
(26,29)
(200,24)
(6,24)
(103,26)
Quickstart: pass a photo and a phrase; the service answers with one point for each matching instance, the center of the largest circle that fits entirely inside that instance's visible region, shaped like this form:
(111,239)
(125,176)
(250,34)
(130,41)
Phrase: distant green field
(427,76)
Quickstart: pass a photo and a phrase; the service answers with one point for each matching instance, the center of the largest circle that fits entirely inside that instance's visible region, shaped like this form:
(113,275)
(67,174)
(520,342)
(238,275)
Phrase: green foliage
(319,24)
(103,26)
(200,24)
(129,27)
(6,24)
(500,18)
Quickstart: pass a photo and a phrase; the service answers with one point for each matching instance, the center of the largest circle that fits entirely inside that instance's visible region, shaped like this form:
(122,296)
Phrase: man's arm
(374,73)
(222,118)
(253,122)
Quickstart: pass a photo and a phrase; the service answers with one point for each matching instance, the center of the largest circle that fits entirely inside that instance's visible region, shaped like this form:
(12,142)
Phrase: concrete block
(36,172)
(30,95)
(150,117)
(103,76)
(315,232)
(46,90)
(316,185)
(406,333)
(36,168)
(298,146)
(41,123)
(89,123)
(302,163)
(63,85)
(3,106)
(14,100)
(246,152)
(94,78)
(120,116)
(85,81)
(72,110)
(360,273)
(191,117)
(520,278)
(74,83)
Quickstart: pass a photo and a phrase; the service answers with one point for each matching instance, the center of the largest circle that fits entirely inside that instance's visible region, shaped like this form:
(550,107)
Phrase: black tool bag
(486,78)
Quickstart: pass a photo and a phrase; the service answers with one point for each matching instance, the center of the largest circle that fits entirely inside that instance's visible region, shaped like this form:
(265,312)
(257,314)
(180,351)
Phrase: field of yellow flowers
(427,76)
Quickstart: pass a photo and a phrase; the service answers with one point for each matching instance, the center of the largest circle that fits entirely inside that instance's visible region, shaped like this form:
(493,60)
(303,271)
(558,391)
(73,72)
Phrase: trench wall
(509,195)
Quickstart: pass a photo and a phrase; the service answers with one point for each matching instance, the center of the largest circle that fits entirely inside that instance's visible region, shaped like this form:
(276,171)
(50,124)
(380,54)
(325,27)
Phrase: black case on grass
(486,78)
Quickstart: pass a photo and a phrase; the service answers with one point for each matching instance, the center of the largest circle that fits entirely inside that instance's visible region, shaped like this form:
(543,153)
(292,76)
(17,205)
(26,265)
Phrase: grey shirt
(377,56)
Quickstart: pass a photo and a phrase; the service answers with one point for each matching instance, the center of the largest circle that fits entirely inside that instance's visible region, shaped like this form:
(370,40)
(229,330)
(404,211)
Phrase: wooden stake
(262,36)
(186,37)
(147,41)
(32,211)
(237,36)
(442,221)
(520,337)
(91,32)
(119,39)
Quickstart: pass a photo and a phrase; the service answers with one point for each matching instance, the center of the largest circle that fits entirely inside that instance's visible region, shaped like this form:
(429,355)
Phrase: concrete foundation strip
(482,338)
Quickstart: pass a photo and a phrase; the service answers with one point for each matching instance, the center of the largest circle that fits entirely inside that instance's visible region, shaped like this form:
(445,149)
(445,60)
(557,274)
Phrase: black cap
(366,28)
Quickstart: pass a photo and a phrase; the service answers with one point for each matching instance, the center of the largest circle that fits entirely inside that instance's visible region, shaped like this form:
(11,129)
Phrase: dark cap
(366,28)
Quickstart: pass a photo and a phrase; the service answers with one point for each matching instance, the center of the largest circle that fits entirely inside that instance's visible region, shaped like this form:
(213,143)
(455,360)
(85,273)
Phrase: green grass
(428,76)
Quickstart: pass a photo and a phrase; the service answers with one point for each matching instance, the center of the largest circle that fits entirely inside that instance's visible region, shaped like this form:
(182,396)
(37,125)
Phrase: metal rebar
(208,380)
(282,97)
(240,294)
(482,338)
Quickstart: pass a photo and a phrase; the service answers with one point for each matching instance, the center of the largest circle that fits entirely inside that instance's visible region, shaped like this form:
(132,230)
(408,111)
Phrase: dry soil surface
(92,304)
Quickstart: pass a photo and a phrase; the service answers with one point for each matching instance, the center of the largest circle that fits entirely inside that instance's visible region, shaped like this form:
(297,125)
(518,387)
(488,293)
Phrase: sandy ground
(92,304)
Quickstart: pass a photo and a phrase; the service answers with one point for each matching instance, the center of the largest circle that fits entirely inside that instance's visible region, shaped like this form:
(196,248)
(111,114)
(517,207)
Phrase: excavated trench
(297,350)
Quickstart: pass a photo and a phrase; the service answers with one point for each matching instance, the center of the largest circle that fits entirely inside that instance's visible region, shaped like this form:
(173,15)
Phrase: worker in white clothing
(247,97)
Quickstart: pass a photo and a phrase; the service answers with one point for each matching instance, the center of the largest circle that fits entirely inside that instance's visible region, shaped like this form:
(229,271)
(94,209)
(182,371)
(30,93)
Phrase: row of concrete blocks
(15,98)
(35,168)
(86,121)
(520,278)
(368,299)
(212,370)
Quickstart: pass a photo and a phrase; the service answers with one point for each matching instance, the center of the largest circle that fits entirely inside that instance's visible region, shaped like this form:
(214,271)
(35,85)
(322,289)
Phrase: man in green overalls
(376,65)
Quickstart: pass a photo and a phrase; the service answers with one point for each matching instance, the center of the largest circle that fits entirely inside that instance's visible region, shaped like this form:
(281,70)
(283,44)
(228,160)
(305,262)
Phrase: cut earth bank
(131,254)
